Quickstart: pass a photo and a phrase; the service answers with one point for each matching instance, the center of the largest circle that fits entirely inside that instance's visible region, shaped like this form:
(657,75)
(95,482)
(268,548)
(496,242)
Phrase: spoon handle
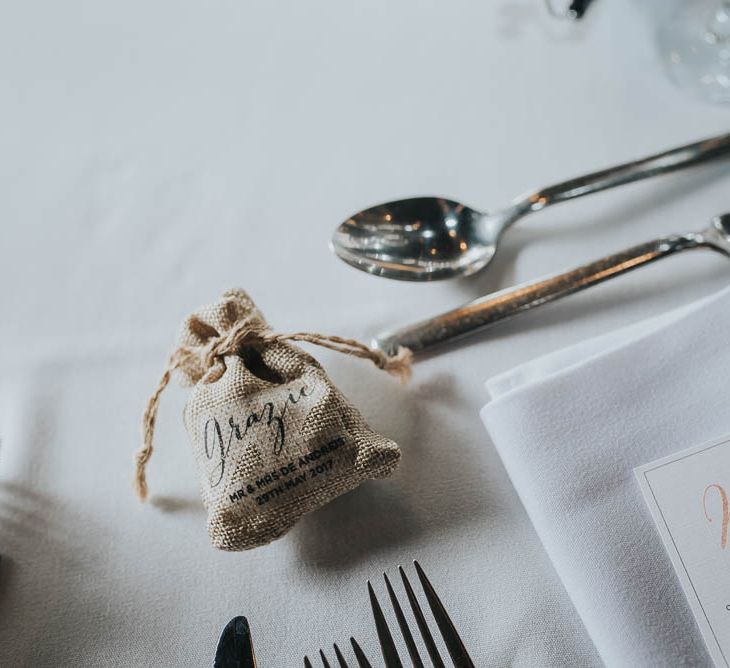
(653,165)
(486,311)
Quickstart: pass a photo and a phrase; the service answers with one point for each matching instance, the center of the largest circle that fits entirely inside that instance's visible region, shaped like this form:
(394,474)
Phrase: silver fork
(454,645)
(360,657)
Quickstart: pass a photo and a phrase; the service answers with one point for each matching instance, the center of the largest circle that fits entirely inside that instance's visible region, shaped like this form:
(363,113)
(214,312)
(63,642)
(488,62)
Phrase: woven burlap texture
(272,436)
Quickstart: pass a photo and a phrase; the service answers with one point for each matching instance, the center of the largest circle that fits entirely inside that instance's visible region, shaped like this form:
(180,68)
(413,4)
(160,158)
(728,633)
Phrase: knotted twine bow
(196,361)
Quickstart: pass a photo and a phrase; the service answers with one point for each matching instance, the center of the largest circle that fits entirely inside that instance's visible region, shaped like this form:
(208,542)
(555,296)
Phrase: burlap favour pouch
(272,436)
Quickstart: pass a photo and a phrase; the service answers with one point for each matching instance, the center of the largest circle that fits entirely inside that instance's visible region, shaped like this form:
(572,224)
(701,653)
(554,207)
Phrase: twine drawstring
(251,329)
(398,365)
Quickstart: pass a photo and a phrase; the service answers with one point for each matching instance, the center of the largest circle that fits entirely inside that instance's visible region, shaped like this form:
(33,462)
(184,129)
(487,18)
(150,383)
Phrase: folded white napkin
(571,427)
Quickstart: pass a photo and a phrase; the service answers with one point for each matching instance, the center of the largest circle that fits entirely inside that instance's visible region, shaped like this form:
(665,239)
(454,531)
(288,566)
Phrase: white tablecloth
(154,154)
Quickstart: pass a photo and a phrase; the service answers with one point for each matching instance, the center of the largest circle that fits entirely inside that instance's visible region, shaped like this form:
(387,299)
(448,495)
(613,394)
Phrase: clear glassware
(695,46)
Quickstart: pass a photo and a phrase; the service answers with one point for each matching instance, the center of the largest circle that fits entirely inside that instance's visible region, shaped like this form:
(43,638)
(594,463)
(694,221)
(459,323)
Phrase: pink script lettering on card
(725,512)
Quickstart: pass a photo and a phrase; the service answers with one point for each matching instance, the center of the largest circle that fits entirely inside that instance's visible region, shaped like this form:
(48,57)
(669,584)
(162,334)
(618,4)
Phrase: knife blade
(235,649)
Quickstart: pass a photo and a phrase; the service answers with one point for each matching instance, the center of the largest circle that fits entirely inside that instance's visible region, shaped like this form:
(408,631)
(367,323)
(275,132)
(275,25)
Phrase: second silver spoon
(430,238)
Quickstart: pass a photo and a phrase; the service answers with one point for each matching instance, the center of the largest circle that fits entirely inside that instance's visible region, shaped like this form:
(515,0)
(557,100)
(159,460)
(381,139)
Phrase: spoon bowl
(417,239)
(431,238)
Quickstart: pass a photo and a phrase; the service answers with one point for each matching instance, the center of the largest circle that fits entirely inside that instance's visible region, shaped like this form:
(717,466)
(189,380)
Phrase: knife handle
(487,311)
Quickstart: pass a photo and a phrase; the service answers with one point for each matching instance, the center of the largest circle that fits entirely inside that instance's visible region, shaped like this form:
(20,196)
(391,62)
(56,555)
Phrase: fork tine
(340,658)
(453,642)
(387,646)
(307,662)
(405,630)
(325,663)
(362,660)
(421,621)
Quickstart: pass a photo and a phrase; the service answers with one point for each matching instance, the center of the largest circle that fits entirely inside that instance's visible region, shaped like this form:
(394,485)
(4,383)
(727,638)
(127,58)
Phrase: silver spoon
(486,311)
(430,238)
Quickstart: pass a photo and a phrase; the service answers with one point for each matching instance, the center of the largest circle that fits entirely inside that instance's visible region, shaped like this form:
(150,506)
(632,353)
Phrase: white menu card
(687,494)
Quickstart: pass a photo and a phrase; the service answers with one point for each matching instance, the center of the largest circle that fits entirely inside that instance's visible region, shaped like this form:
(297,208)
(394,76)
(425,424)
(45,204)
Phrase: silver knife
(235,649)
